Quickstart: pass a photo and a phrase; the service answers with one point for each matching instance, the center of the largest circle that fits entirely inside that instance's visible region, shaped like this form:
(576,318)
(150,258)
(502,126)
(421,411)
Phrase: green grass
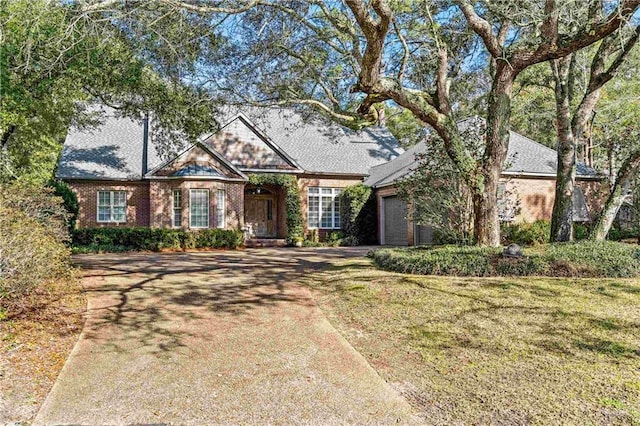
(495,350)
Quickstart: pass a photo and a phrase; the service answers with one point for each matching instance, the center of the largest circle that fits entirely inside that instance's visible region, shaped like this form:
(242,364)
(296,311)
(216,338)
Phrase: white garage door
(395,222)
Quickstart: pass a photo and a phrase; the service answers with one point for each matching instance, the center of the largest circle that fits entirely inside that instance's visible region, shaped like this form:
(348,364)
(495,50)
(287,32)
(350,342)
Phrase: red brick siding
(137,202)
(537,196)
(321,181)
(162,202)
(151,203)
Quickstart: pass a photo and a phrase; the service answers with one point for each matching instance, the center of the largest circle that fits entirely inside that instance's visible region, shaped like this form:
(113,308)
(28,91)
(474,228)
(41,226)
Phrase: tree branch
(481,27)
(589,34)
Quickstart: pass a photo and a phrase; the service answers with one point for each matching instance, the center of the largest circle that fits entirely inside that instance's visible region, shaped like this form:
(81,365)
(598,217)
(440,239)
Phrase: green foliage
(358,214)
(295,223)
(596,258)
(335,238)
(439,196)
(579,259)
(33,230)
(87,240)
(55,58)
(580,231)
(404,126)
(617,233)
(526,234)
(69,200)
(444,236)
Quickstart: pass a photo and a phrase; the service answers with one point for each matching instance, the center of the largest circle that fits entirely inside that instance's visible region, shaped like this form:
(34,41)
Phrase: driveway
(211,338)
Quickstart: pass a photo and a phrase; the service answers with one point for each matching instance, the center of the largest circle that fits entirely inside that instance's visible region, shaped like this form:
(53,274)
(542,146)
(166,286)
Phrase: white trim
(221,224)
(111,205)
(547,175)
(208,178)
(173,208)
(191,191)
(280,171)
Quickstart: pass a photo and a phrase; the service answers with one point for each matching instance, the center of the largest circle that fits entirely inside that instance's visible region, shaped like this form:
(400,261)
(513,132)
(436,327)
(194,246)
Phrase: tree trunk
(485,191)
(562,215)
(616,198)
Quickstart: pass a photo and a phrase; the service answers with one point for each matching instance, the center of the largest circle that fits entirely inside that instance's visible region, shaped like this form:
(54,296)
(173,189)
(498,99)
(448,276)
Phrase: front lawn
(494,350)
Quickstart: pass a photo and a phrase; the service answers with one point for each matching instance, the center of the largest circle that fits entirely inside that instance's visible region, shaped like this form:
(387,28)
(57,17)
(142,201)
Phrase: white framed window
(324,208)
(220,208)
(112,206)
(506,207)
(177,208)
(199,208)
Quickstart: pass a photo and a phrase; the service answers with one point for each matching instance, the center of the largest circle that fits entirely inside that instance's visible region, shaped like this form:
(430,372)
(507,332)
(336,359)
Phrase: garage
(395,221)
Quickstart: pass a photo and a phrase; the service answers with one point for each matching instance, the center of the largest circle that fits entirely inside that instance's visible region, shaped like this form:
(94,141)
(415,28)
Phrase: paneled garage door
(395,222)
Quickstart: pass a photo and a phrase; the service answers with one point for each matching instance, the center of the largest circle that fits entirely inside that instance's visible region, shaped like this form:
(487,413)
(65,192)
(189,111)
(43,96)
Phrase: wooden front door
(260,214)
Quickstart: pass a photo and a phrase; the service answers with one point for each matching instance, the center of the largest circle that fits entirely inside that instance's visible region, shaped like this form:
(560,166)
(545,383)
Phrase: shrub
(153,239)
(33,232)
(69,200)
(618,234)
(334,238)
(595,258)
(583,259)
(526,234)
(445,260)
(358,214)
(580,231)
(446,236)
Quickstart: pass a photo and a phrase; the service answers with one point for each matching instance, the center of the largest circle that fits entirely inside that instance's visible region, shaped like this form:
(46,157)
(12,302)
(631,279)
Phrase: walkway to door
(218,337)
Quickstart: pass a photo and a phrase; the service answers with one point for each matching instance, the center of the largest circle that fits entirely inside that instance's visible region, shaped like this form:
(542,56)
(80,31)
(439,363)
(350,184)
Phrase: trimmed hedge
(576,259)
(153,239)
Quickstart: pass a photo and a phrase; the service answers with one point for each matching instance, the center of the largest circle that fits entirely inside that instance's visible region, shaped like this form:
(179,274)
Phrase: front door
(259,214)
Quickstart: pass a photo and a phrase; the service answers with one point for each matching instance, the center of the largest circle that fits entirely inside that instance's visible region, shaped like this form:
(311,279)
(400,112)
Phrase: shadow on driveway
(214,337)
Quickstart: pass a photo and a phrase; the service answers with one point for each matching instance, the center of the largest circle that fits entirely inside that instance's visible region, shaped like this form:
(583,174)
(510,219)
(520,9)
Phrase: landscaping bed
(494,350)
(35,341)
(577,259)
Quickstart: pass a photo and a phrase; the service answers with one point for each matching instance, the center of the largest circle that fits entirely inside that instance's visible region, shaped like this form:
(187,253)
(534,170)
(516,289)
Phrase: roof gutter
(547,175)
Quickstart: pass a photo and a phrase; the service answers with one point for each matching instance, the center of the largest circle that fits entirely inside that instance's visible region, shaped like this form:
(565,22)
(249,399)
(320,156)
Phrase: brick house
(528,178)
(123,177)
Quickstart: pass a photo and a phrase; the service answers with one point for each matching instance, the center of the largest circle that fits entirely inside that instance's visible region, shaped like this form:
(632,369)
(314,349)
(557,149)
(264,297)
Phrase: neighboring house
(626,215)
(118,174)
(529,176)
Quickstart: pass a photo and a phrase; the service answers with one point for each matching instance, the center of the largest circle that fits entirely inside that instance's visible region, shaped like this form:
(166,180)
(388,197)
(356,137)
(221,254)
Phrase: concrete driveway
(224,337)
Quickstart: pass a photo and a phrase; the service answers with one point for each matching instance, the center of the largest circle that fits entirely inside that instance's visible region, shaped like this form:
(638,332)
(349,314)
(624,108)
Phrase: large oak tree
(344,58)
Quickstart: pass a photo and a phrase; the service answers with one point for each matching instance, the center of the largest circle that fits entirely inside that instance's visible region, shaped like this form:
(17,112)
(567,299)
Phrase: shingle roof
(319,145)
(114,149)
(524,156)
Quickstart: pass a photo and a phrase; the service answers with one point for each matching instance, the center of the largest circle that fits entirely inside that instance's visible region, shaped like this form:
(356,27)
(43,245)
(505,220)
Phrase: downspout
(145,145)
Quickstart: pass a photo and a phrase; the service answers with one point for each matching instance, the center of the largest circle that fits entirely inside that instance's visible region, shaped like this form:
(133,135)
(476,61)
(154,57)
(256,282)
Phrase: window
(220,208)
(177,208)
(199,208)
(580,210)
(506,206)
(324,208)
(269,209)
(112,206)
